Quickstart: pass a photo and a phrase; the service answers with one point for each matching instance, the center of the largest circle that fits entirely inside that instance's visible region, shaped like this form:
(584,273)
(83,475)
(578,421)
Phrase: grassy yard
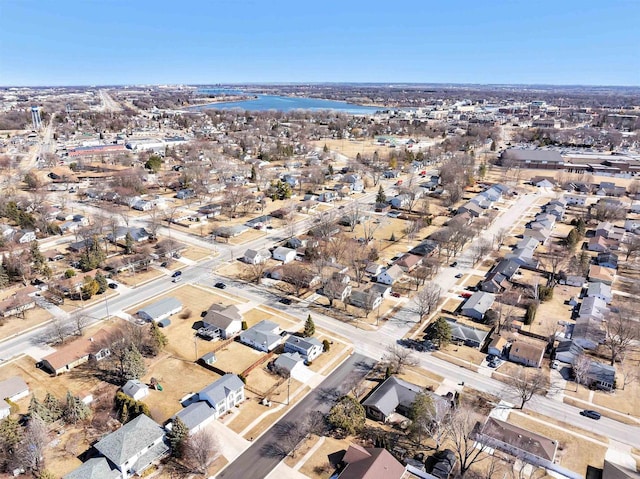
(14,325)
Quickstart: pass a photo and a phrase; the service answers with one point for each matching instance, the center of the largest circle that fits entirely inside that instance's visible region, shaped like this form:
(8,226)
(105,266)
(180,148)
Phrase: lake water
(285,103)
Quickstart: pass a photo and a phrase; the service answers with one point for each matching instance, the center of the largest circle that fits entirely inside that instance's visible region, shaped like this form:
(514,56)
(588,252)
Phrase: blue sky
(85,42)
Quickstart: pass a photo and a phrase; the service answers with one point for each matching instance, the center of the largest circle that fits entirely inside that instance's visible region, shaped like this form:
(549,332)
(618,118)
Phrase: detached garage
(160,310)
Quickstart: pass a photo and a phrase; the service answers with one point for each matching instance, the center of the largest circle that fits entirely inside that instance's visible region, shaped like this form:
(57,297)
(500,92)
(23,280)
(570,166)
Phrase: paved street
(258,461)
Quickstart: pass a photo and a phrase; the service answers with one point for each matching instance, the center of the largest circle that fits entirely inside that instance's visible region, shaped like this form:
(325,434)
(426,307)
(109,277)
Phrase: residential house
(24,237)
(629,225)
(541,234)
(601,274)
(575,199)
(599,244)
(289,364)
(75,353)
(370,463)
(374,269)
(390,275)
(593,307)
(604,229)
(527,353)
(618,471)
(470,208)
(587,332)
(497,346)
(263,336)
(607,260)
(393,398)
(195,416)
(601,291)
(12,389)
(227,320)
(286,255)
(601,376)
(507,268)
(467,335)
(443,463)
(567,351)
(494,283)
(327,197)
(523,256)
(252,256)
(477,305)
(408,262)
(573,280)
(425,248)
(95,468)
(135,389)
(308,348)
(160,309)
(137,234)
(223,394)
(379,289)
(16,304)
(528,242)
(527,446)
(544,183)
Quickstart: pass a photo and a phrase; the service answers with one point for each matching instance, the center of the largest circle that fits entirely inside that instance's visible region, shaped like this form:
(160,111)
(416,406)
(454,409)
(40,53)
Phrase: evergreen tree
(158,339)
(38,259)
(36,408)
(11,433)
(4,277)
(133,364)
(439,332)
(74,409)
(309,327)
(348,415)
(381,197)
(253,176)
(178,436)
(128,244)
(102,282)
(53,406)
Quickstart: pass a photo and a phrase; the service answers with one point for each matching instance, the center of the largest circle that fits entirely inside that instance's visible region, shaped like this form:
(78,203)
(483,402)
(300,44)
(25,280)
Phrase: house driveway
(231,444)
(303,374)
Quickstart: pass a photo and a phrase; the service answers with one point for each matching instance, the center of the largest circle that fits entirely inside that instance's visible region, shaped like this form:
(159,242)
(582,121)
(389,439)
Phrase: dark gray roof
(195,414)
(130,439)
(466,333)
(392,393)
(288,361)
(304,344)
(94,468)
(507,268)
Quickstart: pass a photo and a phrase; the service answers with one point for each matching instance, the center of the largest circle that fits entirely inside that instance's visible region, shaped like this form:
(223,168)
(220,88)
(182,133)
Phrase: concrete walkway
(282,471)
(231,444)
(309,453)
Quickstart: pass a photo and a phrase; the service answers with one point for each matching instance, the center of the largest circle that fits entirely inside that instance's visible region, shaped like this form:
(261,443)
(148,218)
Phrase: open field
(574,453)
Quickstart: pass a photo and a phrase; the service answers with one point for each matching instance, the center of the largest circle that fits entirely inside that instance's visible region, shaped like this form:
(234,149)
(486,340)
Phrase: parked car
(454,264)
(177,279)
(491,357)
(163,264)
(492,364)
(591,414)
(176,274)
(395,295)
(113,285)
(284,300)
(459,275)
(220,285)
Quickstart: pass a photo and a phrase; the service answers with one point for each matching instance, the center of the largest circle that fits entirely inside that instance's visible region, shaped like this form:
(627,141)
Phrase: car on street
(591,414)
(177,279)
(163,264)
(491,357)
(176,274)
(454,264)
(113,285)
(284,301)
(459,275)
(220,285)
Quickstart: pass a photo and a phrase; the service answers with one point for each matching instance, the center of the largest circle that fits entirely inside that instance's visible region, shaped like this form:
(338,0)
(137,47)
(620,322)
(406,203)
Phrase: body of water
(285,103)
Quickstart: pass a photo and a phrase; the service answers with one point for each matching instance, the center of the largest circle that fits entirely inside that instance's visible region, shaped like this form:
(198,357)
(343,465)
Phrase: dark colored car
(459,275)
(454,264)
(591,414)
(113,285)
(491,357)
(163,264)
(220,285)
(285,300)
(176,274)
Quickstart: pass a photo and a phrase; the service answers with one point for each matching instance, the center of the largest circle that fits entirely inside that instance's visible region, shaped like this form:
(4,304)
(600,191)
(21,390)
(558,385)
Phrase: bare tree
(59,330)
(397,358)
(255,272)
(333,289)
(632,245)
(202,448)
(80,320)
(580,367)
(628,371)
(526,384)
(461,432)
(622,331)
(34,443)
(500,236)
(553,259)
(427,299)
(481,249)
(297,276)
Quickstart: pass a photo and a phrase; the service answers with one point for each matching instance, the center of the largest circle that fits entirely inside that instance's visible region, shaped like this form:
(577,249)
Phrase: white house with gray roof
(127,452)
(196,415)
(308,348)
(223,394)
(160,309)
(136,389)
(264,336)
(478,304)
